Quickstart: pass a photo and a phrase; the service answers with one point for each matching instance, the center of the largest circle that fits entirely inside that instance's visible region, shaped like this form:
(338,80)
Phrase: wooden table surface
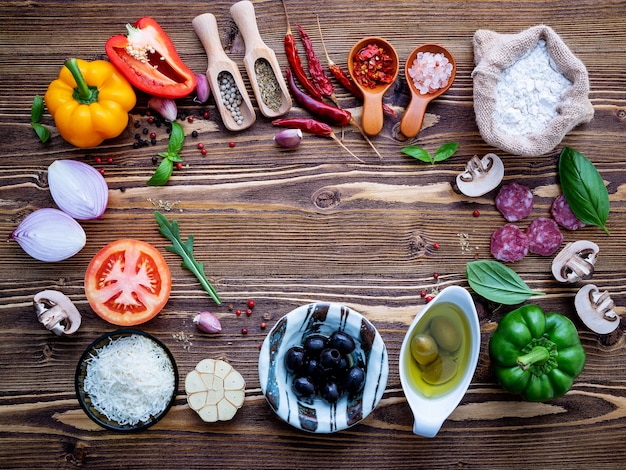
(289,227)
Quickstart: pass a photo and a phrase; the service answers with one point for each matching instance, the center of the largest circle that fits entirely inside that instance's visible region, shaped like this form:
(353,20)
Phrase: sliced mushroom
(56,312)
(575,262)
(481,175)
(596,309)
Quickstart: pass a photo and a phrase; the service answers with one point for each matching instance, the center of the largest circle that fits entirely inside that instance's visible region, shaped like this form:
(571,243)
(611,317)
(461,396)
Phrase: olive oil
(454,319)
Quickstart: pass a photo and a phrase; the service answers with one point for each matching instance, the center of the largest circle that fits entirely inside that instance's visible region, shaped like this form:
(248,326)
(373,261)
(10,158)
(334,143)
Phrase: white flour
(528,93)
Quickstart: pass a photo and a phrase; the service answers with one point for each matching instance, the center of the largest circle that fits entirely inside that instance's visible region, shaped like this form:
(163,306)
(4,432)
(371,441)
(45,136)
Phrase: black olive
(294,359)
(341,341)
(330,359)
(304,387)
(355,380)
(330,392)
(314,344)
(311,367)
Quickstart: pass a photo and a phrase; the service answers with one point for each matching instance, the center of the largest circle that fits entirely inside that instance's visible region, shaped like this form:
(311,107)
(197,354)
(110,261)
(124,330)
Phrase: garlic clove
(166,107)
(49,235)
(78,189)
(203,91)
(207,322)
(288,138)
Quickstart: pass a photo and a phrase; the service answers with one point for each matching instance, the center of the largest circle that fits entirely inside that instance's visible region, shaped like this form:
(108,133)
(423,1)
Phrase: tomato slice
(128,282)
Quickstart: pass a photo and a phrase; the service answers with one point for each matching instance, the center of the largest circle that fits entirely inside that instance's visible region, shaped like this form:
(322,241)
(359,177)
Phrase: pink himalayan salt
(430,72)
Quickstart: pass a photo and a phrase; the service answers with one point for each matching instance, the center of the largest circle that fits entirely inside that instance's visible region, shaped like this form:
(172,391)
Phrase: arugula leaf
(442,153)
(185,251)
(42,131)
(498,283)
(166,167)
(583,188)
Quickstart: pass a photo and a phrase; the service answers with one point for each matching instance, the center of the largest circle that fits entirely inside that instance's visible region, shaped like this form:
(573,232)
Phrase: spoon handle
(413,118)
(205,26)
(372,120)
(245,18)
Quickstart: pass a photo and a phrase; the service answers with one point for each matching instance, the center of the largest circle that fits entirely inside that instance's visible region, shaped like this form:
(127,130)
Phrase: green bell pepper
(536,355)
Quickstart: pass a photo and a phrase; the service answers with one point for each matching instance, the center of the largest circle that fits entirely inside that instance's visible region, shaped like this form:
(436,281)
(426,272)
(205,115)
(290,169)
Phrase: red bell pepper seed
(200,145)
(231,144)
(238,312)
(476,213)
(244,331)
(250,303)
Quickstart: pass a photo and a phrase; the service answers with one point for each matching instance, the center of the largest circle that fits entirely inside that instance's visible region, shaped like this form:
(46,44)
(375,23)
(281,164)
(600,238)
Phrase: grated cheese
(130,379)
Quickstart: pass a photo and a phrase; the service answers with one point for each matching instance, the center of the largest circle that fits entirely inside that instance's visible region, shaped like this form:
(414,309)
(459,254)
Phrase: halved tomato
(128,282)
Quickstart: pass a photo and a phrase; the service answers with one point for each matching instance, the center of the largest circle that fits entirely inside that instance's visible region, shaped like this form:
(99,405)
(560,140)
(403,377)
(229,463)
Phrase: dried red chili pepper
(318,77)
(330,114)
(291,51)
(314,127)
(305,124)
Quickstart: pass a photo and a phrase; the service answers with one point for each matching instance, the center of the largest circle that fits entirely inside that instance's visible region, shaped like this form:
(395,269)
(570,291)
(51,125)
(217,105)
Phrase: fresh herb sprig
(442,153)
(166,167)
(583,188)
(36,113)
(498,283)
(185,250)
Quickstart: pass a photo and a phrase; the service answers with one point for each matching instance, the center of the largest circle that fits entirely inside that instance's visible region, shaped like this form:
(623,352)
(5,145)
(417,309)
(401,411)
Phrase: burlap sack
(493,53)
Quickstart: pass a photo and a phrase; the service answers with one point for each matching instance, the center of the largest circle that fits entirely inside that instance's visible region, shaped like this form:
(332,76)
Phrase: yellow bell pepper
(90,102)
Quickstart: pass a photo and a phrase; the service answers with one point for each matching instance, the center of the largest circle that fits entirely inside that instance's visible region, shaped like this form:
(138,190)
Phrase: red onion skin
(49,235)
(207,322)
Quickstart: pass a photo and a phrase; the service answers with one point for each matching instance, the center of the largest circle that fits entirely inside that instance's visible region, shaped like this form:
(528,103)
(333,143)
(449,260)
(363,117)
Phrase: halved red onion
(78,189)
(50,235)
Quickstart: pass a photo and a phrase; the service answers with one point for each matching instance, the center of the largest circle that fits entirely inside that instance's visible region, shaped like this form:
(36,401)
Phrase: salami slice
(509,243)
(563,214)
(544,236)
(514,202)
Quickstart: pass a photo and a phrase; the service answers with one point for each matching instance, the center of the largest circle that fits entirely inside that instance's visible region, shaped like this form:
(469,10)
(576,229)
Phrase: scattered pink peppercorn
(110,160)
(200,145)
(206,115)
(429,298)
(190,119)
(238,312)
(203,151)
(423,294)
(248,312)
(101,170)
(476,213)
(179,165)
(148,112)
(231,144)
(250,303)
(150,120)
(98,160)
(153,135)
(244,331)
(435,276)
(436,246)
(263,325)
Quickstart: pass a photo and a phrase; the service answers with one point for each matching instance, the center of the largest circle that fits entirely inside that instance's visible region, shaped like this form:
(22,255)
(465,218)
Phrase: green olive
(440,371)
(445,333)
(424,349)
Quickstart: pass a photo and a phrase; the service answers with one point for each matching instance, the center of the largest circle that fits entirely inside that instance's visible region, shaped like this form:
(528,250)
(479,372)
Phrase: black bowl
(85,400)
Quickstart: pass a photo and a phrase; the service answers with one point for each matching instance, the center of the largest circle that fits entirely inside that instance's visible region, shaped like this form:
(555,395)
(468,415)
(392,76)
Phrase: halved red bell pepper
(147,58)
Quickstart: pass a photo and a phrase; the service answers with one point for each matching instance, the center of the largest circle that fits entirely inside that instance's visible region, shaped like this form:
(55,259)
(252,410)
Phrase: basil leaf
(583,188)
(42,131)
(36,112)
(498,283)
(162,173)
(185,251)
(171,156)
(417,152)
(445,151)
(177,137)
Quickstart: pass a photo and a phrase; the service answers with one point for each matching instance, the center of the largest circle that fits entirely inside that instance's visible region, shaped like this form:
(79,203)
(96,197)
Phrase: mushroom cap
(595,309)
(575,262)
(481,175)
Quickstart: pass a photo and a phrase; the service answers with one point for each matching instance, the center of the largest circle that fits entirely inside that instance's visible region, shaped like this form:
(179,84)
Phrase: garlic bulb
(78,189)
(49,235)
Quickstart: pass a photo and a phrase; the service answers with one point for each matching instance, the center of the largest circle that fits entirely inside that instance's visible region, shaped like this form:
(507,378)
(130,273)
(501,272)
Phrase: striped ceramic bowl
(315,414)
